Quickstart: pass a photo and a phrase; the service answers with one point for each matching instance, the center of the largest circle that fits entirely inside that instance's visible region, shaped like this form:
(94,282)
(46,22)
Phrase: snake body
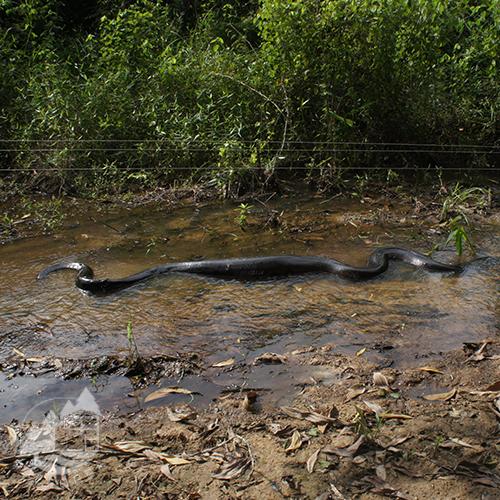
(255,268)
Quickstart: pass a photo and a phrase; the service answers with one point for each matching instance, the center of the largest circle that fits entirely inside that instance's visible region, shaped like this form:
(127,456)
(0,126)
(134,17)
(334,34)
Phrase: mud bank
(369,431)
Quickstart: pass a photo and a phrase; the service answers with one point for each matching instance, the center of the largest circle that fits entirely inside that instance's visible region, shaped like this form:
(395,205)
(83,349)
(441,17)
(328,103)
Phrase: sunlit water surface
(403,316)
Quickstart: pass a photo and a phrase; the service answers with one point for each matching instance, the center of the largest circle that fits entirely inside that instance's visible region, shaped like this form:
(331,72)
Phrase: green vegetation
(103,97)
(134,358)
(365,425)
(457,205)
(48,213)
(243,213)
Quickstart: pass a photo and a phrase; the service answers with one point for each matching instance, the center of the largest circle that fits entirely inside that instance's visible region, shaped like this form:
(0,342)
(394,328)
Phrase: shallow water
(401,316)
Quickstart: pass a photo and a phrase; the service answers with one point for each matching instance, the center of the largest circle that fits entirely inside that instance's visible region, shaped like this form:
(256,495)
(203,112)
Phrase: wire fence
(254,141)
(286,155)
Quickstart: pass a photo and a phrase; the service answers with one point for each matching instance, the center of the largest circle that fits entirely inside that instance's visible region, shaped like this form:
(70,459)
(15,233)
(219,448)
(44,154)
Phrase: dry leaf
(152,455)
(221,364)
(343,439)
(392,443)
(483,393)
(354,393)
(310,416)
(336,493)
(18,352)
(430,369)
(348,452)
(388,491)
(361,352)
(455,441)
(278,430)
(165,391)
(175,460)
(479,354)
(494,387)
(53,473)
(163,457)
(270,358)
(295,442)
(441,396)
(311,461)
(128,446)
(48,487)
(11,433)
(165,470)
(397,416)
(232,469)
(181,413)
(380,487)
(380,380)
(496,407)
(322,428)
(485,481)
(374,407)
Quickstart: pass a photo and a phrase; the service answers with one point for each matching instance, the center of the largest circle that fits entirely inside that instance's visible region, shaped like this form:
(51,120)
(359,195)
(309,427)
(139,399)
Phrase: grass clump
(457,206)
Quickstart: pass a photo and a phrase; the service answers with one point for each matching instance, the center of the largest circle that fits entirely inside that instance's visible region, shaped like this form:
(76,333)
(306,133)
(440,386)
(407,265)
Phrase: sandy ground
(426,432)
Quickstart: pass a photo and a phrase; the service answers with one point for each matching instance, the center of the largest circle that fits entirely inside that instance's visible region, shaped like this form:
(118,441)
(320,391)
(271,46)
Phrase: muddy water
(400,317)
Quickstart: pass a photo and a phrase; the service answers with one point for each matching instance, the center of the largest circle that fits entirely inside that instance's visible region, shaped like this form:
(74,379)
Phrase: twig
(258,92)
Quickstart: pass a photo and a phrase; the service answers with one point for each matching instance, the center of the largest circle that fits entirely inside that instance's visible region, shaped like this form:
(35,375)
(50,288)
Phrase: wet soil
(367,434)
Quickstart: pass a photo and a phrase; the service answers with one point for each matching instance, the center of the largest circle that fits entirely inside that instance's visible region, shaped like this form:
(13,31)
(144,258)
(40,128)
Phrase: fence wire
(288,155)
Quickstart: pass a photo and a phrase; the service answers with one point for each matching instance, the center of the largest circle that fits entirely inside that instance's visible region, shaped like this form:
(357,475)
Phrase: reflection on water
(412,312)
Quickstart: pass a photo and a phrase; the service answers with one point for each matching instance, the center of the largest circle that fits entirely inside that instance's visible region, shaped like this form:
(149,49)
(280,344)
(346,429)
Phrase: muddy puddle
(400,318)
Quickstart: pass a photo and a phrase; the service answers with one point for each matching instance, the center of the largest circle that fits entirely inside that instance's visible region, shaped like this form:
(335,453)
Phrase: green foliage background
(232,91)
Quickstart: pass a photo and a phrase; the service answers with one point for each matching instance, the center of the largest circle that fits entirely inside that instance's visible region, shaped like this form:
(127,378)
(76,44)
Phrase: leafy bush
(229,91)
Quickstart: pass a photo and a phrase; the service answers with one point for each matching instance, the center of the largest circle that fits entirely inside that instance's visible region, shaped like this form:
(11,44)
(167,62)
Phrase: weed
(456,207)
(363,426)
(153,241)
(459,234)
(438,441)
(361,184)
(47,213)
(461,201)
(6,224)
(392,177)
(134,358)
(243,212)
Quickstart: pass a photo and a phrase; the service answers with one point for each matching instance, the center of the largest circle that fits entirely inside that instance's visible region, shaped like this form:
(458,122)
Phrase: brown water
(402,316)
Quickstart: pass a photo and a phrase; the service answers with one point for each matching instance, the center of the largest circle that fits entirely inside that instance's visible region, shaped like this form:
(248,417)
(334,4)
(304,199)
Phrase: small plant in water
(135,361)
(459,234)
(151,244)
(243,212)
(456,205)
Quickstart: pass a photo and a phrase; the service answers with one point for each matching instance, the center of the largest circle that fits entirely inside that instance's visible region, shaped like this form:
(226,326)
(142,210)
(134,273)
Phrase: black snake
(255,268)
